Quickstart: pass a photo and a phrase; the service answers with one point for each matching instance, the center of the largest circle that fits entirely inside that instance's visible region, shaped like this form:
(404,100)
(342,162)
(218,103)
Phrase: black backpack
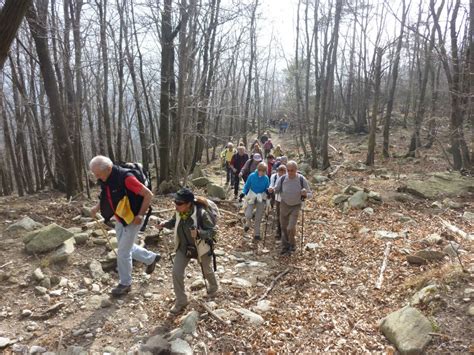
(142,175)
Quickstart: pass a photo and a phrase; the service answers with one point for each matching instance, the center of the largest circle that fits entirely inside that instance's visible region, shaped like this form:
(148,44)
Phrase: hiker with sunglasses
(293,189)
(255,193)
(193,228)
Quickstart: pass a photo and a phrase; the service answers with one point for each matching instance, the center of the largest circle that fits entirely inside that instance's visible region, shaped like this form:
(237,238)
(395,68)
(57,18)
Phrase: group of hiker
(274,186)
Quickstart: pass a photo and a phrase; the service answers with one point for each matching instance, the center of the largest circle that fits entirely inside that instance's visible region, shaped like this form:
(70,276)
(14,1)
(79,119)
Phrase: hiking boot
(120,290)
(212,293)
(177,308)
(257,237)
(150,268)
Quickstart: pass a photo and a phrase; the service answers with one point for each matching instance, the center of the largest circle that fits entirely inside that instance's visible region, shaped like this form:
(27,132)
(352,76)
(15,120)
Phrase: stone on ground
(200,181)
(156,345)
(46,239)
(216,191)
(189,322)
(251,317)
(358,200)
(21,227)
(64,251)
(197,172)
(180,346)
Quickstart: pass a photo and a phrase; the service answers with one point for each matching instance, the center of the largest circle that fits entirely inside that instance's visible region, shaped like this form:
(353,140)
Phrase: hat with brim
(257,157)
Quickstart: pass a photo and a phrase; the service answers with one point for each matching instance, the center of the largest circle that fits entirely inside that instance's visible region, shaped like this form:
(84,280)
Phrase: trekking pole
(106,235)
(302,226)
(266,222)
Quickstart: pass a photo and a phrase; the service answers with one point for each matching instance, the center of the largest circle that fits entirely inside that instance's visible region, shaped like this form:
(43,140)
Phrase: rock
(95,288)
(39,290)
(305,168)
(46,239)
(175,334)
(470,310)
(4,342)
(189,322)
(364,230)
(452,204)
(112,242)
(201,181)
(56,293)
(37,350)
(447,184)
(95,268)
(468,216)
(250,265)
(368,211)
(64,252)
(425,295)
(241,283)
(81,238)
(100,241)
(156,345)
(251,317)
(197,172)
(437,204)
(351,189)
(95,302)
(387,235)
(433,239)
(338,199)
(311,246)
(374,196)
(20,348)
(416,260)
(430,255)
(263,306)
(358,200)
(21,227)
(319,179)
(26,313)
(75,230)
(180,346)
(198,284)
(408,329)
(105,303)
(219,252)
(38,274)
(452,249)
(216,191)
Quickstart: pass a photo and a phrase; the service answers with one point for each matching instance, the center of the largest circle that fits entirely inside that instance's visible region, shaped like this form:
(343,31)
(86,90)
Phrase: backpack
(301,181)
(213,211)
(142,175)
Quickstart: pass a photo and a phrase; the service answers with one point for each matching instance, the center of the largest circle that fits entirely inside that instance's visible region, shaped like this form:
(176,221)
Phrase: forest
(379,99)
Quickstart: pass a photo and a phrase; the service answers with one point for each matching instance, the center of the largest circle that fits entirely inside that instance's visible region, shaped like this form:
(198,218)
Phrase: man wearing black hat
(192,228)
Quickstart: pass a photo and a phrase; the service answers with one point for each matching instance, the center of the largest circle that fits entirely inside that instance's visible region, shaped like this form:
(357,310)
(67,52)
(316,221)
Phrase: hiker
(276,197)
(257,150)
(264,138)
(237,163)
(253,145)
(194,233)
(126,199)
(267,147)
(270,161)
(293,189)
(226,156)
(255,193)
(250,166)
(283,161)
(277,152)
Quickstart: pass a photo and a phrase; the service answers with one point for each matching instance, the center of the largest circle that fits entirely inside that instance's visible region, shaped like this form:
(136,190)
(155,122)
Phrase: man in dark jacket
(237,163)
(126,199)
(194,231)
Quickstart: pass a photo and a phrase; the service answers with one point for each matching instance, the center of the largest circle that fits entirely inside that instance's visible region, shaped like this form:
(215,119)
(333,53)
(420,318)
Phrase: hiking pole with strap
(266,221)
(194,228)
(302,224)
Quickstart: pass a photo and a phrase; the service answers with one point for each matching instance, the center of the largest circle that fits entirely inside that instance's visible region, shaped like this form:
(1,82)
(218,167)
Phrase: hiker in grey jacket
(190,243)
(293,189)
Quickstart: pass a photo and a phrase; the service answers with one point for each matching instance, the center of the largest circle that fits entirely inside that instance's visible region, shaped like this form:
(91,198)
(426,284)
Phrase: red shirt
(132,184)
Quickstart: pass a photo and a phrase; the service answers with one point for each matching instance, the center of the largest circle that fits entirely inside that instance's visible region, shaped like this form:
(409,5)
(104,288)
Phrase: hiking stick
(106,235)
(302,226)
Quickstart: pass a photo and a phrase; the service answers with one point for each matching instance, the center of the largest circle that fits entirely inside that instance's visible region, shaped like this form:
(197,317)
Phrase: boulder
(157,345)
(444,184)
(64,252)
(181,347)
(338,199)
(22,227)
(197,172)
(189,322)
(46,239)
(251,317)
(201,181)
(319,179)
(358,200)
(408,329)
(430,255)
(216,191)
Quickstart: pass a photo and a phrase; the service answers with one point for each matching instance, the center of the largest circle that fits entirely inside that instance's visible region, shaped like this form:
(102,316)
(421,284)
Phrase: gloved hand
(241,197)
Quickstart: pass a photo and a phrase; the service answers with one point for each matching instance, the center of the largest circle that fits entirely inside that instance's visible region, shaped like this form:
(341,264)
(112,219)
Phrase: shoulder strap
(301,181)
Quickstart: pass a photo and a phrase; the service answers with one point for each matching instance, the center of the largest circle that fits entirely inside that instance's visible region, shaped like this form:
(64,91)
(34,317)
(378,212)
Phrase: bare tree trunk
(373,123)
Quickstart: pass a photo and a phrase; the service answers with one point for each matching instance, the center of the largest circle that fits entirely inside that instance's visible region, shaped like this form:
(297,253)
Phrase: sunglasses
(179,203)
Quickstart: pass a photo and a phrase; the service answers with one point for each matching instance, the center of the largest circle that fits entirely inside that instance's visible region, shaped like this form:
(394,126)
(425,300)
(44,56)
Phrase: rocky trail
(409,218)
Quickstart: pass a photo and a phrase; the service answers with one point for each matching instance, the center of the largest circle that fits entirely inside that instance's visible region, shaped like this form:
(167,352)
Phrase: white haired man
(126,199)
(293,189)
